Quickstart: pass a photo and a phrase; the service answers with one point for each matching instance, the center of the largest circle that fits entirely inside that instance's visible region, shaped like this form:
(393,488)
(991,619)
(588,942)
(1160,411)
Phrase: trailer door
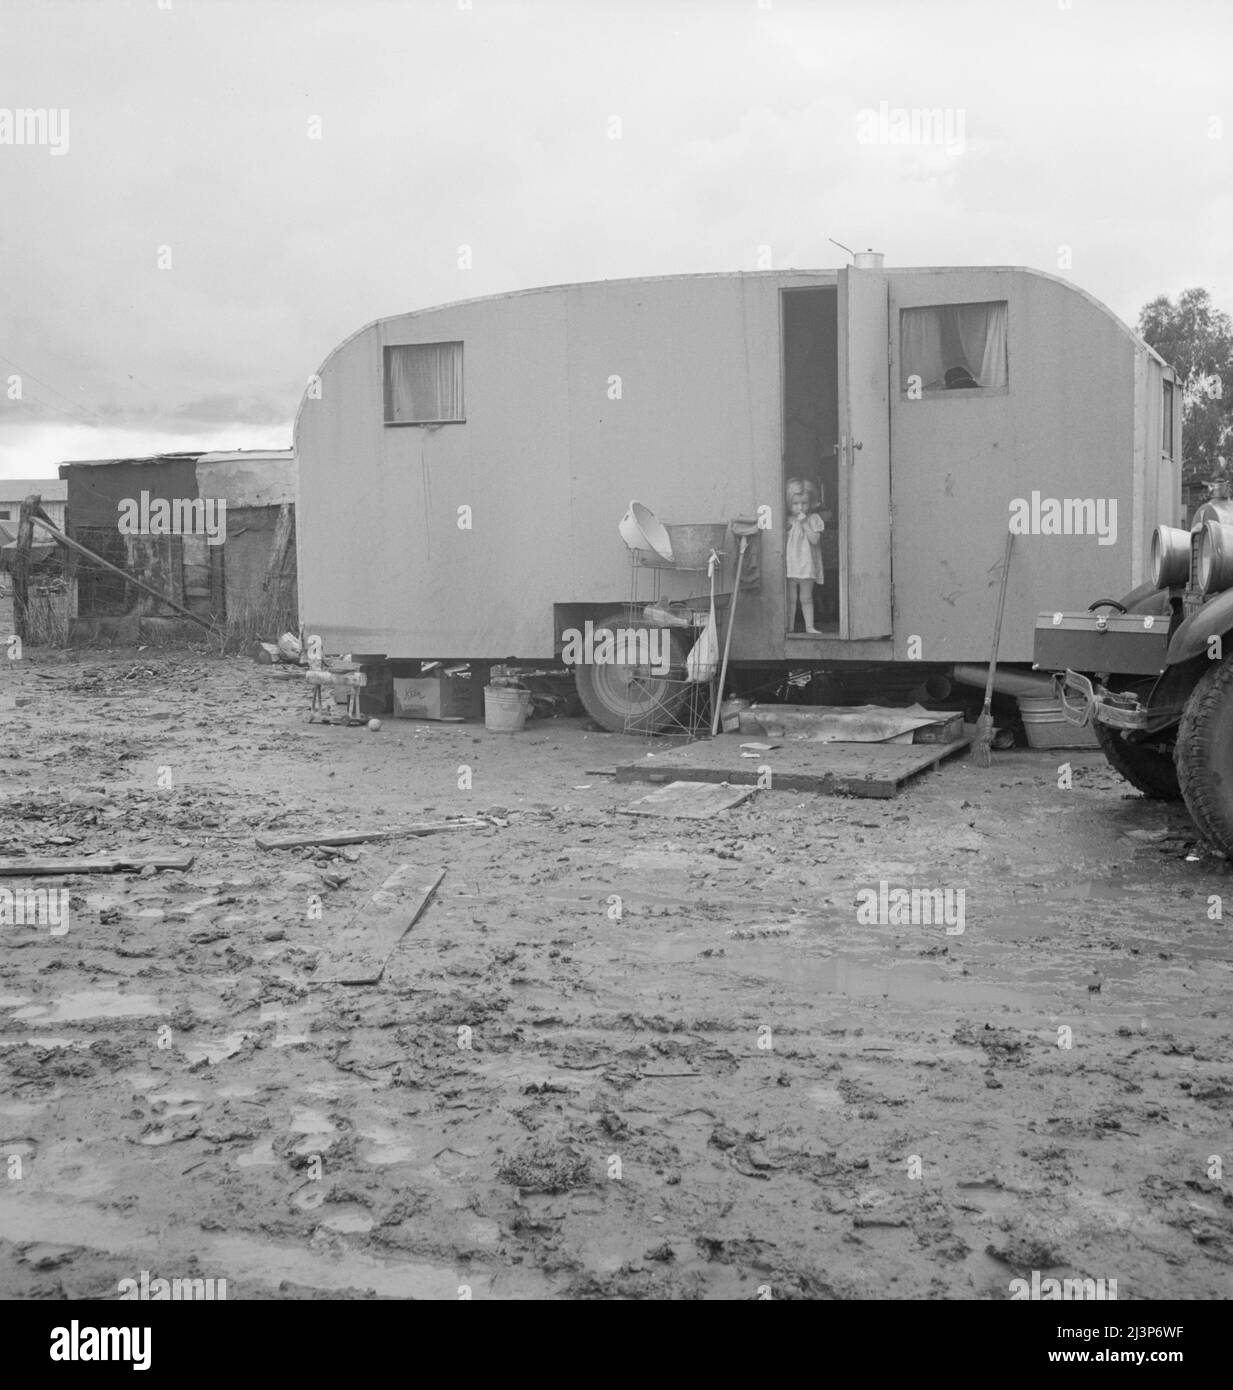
(863,453)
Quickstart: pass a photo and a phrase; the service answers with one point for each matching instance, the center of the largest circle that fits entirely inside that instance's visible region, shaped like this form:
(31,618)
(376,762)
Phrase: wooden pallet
(357,954)
(832,769)
(688,800)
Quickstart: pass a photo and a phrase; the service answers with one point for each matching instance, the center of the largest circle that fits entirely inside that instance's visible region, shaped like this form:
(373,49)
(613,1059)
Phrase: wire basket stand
(668,703)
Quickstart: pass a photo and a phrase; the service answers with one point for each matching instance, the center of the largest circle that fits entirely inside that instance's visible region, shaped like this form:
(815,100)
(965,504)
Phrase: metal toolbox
(1117,643)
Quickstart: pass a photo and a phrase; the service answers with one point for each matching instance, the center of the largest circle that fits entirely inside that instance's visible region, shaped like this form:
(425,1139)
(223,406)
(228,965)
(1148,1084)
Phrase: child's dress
(803,558)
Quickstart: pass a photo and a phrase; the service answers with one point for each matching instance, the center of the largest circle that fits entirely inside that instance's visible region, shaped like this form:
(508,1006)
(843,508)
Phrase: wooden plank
(358,954)
(835,769)
(359,837)
(688,800)
(109,864)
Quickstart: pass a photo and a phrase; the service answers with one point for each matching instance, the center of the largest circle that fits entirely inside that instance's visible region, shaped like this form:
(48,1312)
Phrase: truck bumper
(1083,703)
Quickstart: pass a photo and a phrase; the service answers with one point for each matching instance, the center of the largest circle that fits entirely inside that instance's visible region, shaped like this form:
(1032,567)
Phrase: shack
(258,486)
(462,470)
(212,532)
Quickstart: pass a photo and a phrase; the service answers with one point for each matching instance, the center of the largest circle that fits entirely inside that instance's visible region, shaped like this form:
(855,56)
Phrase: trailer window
(953,347)
(423,384)
(1166,431)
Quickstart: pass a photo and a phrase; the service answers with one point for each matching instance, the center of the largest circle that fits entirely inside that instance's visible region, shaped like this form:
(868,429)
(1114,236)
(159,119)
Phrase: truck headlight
(1215,557)
(1170,556)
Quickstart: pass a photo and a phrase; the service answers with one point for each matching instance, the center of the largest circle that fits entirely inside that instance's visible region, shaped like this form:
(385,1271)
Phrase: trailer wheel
(1204,755)
(633,699)
(1152,772)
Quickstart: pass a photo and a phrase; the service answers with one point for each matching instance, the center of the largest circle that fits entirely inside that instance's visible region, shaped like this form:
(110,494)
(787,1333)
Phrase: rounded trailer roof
(779,273)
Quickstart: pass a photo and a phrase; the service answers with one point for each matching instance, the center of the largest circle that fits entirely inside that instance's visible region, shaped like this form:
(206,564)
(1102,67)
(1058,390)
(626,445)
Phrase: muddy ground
(720,1092)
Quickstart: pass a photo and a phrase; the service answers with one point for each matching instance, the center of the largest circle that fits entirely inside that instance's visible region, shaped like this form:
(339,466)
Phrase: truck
(1152,671)
(466,473)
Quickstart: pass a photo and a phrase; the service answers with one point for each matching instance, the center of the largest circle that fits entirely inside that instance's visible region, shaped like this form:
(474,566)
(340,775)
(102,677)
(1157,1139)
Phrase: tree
(1196,339)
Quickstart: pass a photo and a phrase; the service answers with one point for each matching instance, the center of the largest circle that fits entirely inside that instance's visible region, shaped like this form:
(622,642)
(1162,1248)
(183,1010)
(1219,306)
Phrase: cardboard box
(438,697)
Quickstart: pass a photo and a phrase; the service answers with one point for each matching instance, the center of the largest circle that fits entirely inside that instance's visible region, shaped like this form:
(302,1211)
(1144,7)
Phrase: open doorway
(810,327)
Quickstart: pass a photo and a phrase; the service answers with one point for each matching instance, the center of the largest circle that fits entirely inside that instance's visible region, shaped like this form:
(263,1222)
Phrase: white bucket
(506,709)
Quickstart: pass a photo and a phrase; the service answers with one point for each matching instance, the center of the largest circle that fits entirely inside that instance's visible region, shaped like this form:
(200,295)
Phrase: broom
(984,725)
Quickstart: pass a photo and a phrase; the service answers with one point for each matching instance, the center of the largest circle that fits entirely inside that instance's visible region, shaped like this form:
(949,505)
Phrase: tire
(1204,755)
(632,699)
(1153,773)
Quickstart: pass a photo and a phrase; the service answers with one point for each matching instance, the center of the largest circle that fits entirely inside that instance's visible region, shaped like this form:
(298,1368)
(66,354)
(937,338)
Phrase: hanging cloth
(703,660)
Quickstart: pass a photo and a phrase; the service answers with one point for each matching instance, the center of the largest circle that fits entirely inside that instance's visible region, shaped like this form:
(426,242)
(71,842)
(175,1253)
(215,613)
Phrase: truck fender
(1147,598)
(1214,619)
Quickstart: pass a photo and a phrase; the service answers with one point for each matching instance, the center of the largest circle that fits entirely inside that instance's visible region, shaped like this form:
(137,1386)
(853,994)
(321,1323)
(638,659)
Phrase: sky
(220,193)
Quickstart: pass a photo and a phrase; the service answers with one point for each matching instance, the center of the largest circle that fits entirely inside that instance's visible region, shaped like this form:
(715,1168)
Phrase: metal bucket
(506,709)
(1047,727)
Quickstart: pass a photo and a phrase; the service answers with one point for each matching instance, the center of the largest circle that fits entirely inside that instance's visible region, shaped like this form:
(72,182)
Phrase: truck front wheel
(1204,755)
(1152,772)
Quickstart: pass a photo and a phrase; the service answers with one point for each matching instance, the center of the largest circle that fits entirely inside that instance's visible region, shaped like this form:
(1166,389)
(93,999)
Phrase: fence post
(21,566)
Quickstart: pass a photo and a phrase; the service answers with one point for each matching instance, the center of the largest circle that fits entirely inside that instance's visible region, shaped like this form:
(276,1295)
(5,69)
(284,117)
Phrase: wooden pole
(723,670)
(21,565)
(274,585)
(80,549)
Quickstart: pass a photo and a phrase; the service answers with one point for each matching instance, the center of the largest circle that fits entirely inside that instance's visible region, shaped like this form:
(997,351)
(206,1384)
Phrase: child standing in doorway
(802,552)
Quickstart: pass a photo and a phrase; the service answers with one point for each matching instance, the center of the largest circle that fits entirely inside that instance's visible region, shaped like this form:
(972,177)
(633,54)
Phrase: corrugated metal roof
(248,456)
(189,456)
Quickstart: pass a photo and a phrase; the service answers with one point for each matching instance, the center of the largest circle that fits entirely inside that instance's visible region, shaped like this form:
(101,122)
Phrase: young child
(803,553)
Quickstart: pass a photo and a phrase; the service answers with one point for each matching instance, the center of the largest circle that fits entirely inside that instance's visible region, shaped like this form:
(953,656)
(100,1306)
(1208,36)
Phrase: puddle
(387,1146)
(910,981)
(825,1098)
(28,1040)
(21,1109)
(92,1003)
(348,1220)
(253,1259)
(175,1104)
(260,1156)
(306,1121)
(290,1024)
(12,1001)
(214,1052)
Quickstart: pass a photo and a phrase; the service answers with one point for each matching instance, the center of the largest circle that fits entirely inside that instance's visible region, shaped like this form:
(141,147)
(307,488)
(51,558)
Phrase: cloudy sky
(173,275)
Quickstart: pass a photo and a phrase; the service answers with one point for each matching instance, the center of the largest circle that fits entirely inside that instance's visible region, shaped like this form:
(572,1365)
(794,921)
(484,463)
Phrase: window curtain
(981,330)
(972,336)
(423,383)
(920,348)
